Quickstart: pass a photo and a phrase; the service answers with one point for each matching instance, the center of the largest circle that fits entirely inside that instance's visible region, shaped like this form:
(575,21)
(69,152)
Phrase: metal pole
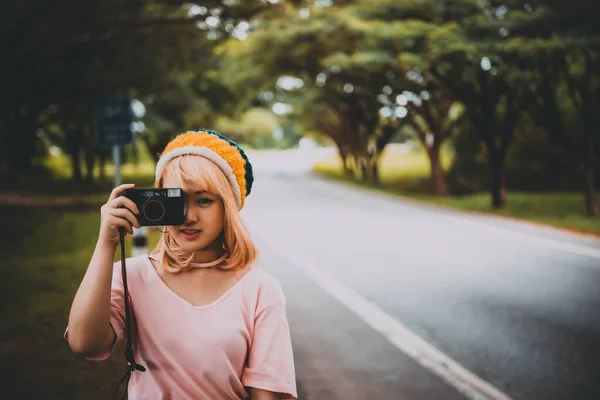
(117,165)
(140,236)
(140,242)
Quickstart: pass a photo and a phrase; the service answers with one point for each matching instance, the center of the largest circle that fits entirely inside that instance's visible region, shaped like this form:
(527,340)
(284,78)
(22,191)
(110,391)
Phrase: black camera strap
(131,364)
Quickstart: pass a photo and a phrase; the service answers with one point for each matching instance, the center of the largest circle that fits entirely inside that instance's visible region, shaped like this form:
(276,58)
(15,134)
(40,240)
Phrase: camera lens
(154,210)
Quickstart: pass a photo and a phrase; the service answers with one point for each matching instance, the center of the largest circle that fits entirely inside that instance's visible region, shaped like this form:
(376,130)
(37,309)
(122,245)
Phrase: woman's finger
(116,191)
(125,214)
(123,201)
(125,224)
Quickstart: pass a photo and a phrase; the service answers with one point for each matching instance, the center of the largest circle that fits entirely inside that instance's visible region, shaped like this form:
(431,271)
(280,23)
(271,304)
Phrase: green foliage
(371,71)
(533,164)
(254,129)
(59,56)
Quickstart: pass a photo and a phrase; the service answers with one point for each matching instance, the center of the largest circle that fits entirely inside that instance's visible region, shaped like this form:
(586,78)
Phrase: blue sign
(113,121)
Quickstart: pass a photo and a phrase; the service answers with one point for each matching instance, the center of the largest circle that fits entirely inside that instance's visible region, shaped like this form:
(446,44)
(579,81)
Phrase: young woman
(208,324)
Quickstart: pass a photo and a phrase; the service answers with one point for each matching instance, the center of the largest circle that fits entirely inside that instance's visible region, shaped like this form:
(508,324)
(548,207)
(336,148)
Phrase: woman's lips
(190,235)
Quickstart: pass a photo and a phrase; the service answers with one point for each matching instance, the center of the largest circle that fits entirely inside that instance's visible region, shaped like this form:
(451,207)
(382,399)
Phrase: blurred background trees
(511,86)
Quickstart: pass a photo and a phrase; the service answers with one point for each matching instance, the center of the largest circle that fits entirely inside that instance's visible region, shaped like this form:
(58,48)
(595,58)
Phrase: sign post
(117,165)
(113,121)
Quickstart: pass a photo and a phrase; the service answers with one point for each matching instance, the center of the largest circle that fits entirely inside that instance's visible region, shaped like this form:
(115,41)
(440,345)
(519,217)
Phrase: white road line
(467,383)
(539,241)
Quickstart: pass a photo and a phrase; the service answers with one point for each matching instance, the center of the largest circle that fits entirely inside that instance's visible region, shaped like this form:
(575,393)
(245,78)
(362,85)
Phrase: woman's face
(204,219)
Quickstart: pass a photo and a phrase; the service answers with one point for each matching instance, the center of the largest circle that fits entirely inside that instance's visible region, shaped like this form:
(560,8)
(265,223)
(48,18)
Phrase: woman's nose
(189,217)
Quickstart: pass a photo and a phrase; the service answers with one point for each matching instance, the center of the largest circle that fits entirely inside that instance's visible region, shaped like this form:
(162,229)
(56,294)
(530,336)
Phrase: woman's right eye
(204,201)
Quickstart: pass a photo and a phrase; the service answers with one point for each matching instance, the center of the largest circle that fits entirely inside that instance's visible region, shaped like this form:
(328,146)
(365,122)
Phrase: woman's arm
(89,318)
(89,328)
(270,360)
(260,394)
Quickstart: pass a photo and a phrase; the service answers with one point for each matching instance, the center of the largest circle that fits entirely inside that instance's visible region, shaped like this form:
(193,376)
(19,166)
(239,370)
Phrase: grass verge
(407,174)
(91,194)
(45,255)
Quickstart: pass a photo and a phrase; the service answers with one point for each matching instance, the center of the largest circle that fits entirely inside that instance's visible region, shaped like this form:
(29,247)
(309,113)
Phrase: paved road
(517,306)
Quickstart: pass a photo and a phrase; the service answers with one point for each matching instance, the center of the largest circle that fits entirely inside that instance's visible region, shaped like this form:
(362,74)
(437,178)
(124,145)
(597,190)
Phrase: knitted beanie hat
(225,153)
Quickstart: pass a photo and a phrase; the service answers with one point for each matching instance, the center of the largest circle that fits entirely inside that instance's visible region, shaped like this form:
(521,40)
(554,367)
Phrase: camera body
(158,206)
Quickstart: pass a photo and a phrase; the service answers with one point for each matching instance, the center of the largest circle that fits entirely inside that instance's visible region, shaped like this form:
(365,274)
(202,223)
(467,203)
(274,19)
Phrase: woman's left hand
(260,394)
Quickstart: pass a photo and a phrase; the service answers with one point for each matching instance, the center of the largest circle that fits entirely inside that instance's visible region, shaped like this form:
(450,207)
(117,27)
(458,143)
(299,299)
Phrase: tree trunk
(90,158)
(497,180)
(346,165)
(375,172)
(345,161)
(353,166)
(349,162)
(591,198)
(75,164)
(372,164)
(438,176)
(361,167)
(74,146)
(364,170)
(19,147)
(590,122)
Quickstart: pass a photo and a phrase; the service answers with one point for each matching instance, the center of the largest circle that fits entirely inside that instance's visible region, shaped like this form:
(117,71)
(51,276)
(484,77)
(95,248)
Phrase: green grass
(45,255)
(61,163)
(90,193)
(55,180)
(397,168)
(407,175)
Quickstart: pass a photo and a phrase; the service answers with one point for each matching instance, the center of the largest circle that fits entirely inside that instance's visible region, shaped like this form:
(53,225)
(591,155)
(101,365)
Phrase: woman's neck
(208,254)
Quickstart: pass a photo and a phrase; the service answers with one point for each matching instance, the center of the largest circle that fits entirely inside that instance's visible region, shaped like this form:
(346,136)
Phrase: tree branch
(513,112)
(570,85)
(388,133)
(451,126)
(421,134)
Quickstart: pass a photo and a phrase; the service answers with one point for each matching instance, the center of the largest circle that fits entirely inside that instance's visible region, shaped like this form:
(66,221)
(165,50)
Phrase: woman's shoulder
(135,266)
(263,286)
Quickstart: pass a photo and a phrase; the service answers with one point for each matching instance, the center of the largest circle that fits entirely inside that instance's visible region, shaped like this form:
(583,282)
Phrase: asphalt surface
(517,305)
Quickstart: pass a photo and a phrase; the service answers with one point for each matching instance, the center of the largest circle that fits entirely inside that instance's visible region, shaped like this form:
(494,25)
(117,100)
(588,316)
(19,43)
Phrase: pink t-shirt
(210,352)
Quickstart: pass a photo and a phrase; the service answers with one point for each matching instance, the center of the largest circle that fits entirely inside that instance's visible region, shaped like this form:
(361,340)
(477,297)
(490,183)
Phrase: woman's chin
(190,246)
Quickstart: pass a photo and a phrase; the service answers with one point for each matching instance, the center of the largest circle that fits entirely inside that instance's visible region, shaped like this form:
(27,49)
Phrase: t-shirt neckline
(187,303)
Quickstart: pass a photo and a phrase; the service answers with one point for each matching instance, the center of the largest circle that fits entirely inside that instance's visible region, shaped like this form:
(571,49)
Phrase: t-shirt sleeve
(270,364)
(117,313)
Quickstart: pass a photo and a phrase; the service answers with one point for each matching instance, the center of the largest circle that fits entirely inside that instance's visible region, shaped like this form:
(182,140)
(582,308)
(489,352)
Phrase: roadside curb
(422,203)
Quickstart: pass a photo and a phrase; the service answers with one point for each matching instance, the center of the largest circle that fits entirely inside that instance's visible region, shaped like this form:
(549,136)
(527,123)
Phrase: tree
(416,92)
(255,128)
(562,94)
(561,57)
(57,54)
(343,63)
(189,100)
(467,58)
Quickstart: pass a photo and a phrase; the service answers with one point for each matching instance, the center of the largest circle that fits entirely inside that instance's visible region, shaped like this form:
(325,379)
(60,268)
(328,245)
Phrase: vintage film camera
(158,206)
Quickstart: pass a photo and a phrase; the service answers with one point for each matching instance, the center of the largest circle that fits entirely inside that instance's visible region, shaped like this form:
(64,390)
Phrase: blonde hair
(199,173)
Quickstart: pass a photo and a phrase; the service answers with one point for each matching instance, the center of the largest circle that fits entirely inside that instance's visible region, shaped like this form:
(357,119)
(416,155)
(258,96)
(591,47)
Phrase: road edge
(398,196)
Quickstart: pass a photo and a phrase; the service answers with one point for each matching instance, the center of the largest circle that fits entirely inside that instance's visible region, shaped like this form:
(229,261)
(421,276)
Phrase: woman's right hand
(118,212)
